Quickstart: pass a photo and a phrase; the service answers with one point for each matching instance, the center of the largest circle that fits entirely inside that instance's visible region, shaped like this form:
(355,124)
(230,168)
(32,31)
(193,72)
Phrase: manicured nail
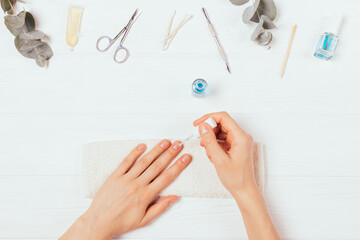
(185,159)
(174,200)
(164,144)
(204,128)
(177,145)
(141,147)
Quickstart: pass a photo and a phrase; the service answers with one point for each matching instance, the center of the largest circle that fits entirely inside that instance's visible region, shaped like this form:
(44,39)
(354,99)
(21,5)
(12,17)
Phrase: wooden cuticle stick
(288,51)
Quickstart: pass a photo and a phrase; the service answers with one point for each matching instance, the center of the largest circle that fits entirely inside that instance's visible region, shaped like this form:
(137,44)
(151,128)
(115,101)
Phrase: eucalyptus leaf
(29,22)
(32,53)
(267,24)
(239,2)
(265,38)
(28,26)
(6,4)
(40,61)
(261,36)
(14,31)
(258,30)
(32,35)
(250,11)
(45,50)
(40,49)
(29,53)
(18,43)
(29,44)
(265,7)
(15,21)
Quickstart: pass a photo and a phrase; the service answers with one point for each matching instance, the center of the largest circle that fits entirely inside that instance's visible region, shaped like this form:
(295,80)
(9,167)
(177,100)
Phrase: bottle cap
(212,123)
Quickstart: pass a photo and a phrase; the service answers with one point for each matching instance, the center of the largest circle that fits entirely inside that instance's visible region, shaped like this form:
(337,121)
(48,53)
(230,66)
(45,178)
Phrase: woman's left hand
(123,203)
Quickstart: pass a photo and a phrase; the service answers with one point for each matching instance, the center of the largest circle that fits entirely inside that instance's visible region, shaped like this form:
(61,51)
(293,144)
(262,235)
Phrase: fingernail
(177,145)
(164,144)
(141,147)
(204,128)
(185,159)
(174,200)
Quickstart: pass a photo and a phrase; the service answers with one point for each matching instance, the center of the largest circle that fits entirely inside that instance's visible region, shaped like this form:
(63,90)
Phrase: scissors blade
(128,26)
(134,15)
(132,20)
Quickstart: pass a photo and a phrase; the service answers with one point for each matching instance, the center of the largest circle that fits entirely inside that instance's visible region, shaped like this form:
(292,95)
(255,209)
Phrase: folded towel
(199,179)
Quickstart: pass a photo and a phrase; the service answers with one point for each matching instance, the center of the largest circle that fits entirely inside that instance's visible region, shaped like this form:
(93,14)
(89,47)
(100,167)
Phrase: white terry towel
(199,179)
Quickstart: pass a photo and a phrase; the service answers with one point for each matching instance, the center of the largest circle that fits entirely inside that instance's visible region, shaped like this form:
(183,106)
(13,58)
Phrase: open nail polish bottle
(329,40)
(199,88)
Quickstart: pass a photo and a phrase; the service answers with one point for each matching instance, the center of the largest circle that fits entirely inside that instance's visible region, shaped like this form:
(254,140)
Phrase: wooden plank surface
(309,121)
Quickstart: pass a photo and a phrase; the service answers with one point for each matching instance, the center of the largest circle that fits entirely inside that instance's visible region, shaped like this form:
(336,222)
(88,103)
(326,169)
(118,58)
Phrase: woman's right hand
(233,160)
(232,155)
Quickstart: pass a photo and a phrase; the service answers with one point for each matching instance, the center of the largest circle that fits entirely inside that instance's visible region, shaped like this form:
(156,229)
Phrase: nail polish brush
(210,121)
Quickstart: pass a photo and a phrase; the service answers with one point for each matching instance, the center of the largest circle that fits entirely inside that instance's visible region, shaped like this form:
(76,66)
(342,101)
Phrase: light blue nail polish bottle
(199,88)
(328,41)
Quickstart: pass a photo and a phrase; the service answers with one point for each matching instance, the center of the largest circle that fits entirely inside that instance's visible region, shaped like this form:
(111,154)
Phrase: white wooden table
(309,121)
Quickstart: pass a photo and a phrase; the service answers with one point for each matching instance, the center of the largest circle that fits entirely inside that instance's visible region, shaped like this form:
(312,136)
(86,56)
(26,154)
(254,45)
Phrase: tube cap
(212,123)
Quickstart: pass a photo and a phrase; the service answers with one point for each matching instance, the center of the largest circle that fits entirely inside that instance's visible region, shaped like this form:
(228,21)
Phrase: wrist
(90,225)
(85,228)
(80,230)
(248,197)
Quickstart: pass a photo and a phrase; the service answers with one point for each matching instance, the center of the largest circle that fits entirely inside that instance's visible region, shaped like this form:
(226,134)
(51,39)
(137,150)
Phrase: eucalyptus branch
(28,41)
(262,12)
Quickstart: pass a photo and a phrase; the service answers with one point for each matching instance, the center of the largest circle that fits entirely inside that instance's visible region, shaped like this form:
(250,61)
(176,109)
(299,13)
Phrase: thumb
(158,208)
(212,147)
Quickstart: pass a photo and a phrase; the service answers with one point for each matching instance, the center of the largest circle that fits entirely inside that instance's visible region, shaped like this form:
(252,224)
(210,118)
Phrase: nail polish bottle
(199,88)
(329,40)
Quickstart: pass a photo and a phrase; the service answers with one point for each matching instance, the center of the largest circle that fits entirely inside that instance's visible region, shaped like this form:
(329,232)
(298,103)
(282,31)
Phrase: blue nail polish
(199,88)
(328,41)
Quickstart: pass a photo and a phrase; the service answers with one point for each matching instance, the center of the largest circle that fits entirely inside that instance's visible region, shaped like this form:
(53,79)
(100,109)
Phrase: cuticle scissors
(120,47)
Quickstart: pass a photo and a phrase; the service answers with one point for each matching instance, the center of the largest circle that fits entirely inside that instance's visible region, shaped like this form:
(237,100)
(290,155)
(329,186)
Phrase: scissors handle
(127,54)
(111,41)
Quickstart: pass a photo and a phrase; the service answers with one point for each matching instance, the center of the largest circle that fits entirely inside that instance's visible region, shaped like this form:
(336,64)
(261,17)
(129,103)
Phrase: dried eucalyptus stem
(28,41)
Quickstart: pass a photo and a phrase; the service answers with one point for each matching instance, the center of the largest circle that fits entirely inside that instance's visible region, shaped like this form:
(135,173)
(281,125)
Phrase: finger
(222,136)
(158,208)
(225,146)
(227,123)
(169,175)
(148,158)
(129,160)
(217,129)
(161,162)
(209,141)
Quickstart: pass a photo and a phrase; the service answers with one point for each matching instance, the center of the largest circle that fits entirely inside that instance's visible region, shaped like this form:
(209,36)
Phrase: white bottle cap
(335,25)
(212,123)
